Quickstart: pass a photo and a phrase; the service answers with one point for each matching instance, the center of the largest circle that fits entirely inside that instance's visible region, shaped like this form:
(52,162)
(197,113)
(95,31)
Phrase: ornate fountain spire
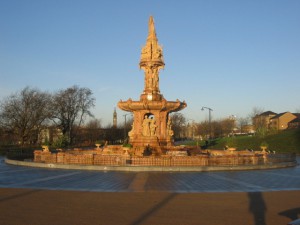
(151,27)
(151,62)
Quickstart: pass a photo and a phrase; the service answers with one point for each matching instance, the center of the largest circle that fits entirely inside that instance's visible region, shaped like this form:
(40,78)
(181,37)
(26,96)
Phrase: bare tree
(70,107)
(216,128)
(259,122)
(255,112)
(23,113)
(178,124)
(228,125)
(94,131)
(203,129)
(94,124)
(113,135)
(222,127)
(242,122)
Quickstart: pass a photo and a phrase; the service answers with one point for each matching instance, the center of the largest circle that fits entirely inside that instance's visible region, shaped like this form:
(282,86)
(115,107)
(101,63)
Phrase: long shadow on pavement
(291,213)
(257,207)
(22,194)
(150,212)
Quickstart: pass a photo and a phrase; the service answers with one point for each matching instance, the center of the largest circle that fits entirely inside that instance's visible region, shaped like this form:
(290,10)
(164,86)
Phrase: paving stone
(102,181)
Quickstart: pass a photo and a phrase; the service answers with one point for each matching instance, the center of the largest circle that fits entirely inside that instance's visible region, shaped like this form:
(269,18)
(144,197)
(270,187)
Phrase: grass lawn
(283,141)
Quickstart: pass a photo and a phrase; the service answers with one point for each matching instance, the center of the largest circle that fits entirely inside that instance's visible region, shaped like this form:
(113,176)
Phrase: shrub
(61,142)
(127,145)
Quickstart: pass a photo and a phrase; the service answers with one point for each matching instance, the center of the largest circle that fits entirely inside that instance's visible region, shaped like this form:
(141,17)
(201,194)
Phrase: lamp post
(125,124)
(209,118)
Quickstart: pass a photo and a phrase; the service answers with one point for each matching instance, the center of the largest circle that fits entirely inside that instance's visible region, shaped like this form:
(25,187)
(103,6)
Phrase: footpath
(45,207)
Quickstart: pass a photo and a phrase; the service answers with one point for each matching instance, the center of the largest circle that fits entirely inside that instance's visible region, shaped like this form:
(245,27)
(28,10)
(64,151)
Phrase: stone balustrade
(96,158)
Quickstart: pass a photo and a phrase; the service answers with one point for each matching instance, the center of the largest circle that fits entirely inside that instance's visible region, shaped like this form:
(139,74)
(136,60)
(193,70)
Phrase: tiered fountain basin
(175,158)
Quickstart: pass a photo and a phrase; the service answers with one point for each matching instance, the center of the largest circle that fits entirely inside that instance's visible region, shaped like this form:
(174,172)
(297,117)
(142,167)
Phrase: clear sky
(229,55)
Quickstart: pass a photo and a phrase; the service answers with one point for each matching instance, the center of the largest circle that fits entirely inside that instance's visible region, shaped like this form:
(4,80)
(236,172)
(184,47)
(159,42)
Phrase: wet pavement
(179,182)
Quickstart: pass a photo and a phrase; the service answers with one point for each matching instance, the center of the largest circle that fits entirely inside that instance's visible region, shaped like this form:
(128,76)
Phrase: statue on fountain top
(152,61)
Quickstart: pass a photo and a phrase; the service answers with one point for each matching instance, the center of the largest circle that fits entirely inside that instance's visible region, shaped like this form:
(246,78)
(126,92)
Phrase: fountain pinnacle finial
(152,51)
(151,62)
(151,27)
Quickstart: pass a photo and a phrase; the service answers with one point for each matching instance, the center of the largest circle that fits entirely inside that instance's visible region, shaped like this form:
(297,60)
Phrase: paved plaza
(179,182)
(35,196)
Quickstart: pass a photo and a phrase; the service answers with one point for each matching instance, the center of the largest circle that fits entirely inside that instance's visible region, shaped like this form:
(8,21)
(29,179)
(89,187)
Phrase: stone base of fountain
(175,156)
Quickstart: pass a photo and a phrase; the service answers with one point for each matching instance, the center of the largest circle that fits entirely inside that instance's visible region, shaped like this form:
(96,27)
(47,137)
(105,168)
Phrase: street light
(125,124)
(209,118)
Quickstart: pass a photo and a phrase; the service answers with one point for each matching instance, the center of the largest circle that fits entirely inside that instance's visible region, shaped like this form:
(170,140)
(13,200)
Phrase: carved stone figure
(145,53)
(45,148)
(146,126)
(131,132)
(158,53)
(149,77)
(155,78)
(169,127)
(152,127)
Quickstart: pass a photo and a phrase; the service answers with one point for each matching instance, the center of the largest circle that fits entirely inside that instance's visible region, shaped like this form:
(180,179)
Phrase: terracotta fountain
(151,136)
(152,126)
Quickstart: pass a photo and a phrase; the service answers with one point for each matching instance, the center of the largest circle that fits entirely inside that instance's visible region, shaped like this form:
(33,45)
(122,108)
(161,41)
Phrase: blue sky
(229,55)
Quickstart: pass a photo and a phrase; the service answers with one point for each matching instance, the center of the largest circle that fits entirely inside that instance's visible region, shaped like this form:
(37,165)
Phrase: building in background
(281,120)
(263,120)
(295,123)
(115,119)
